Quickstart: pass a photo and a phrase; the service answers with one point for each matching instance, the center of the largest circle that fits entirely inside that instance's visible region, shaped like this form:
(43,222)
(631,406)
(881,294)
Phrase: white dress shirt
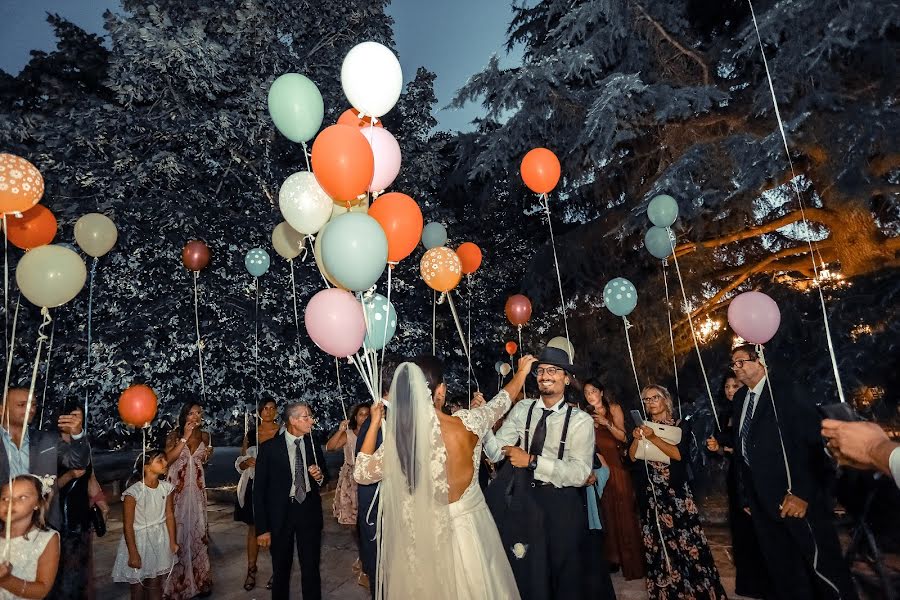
(757,394)
(575,466)
(894,464)
(292,457)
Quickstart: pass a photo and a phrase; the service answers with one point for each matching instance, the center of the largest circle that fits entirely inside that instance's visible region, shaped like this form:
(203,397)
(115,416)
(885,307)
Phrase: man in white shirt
(863,445)
(553,442)
(287,507)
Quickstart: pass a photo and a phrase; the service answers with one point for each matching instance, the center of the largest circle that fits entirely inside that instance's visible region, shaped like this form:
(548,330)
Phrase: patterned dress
(345,496)
(191,575)
(685,568)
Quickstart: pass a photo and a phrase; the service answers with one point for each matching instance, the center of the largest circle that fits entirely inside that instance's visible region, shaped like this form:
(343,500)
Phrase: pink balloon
(335,322)
(387,157)
(754,316)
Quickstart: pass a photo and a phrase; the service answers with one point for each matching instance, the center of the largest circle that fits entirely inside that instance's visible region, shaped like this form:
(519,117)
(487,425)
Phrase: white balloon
(303,203)
(372,78)
(505,369)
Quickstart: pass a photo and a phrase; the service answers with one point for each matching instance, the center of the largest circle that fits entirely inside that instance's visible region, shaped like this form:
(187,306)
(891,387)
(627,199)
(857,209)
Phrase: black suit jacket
(273,480)
(366,493)
(766,478)
(48,454)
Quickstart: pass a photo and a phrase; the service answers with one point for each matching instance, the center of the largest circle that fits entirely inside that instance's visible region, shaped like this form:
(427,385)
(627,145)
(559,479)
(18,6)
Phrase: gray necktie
(299,472)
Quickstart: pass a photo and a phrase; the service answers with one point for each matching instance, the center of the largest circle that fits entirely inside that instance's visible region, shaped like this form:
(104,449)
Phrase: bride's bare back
(460,444)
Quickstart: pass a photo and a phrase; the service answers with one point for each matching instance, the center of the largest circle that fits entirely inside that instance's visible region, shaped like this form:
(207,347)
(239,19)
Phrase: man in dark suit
(41,452)
(781,482)
(290,471)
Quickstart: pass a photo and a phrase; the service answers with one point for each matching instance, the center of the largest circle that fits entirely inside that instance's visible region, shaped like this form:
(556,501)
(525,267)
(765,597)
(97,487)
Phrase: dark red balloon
(195,255)
(518,310)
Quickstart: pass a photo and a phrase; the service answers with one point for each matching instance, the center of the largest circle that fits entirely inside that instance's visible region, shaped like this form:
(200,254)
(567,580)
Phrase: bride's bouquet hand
(376,413)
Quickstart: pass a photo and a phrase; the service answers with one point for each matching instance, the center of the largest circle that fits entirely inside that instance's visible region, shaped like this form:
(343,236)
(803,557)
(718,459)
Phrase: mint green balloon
(663,210)
(355,251)
(657,242)
(296,106)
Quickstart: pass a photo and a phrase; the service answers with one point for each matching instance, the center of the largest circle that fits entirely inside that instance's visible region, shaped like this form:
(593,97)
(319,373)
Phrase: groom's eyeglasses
(551,371)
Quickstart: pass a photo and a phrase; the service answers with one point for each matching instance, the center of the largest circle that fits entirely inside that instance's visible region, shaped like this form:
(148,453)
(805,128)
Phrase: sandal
(250,581)
(363,580)
(269,585)
(357,566)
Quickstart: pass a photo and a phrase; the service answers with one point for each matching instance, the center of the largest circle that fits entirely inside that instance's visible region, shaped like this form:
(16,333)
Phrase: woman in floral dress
(188,451)
(679,561)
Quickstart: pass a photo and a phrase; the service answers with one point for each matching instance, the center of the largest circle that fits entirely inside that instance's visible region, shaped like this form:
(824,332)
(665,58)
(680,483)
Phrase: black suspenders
(565,430)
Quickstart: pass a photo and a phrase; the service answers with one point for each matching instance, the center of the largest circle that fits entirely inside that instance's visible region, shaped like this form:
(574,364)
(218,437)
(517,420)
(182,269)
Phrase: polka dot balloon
(441,269)
(21,184)
(257,262)
(620,296)
(381,321)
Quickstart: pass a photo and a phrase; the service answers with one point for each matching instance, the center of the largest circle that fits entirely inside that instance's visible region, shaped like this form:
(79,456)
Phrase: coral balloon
(343,162)
(511,348)
(36,227)
(137,405)
(754,316)
(351,117)
(335,321)
(540,170)
(441,269)
(21,184)
(470,256)
(401,219)
(518,310)
(195,255)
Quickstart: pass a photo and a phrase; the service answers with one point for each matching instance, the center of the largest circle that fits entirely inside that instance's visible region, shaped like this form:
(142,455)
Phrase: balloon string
(47,375)
(469,332)
(387,314)
(787,152)
(633,367)
(687,309)
(306,154)
(562,299)
(787,467)
(434,322)
(371,364)
(6,283)
(337,371)
(462,337)
(671,337)
(355,361)
(312,250)
(521,352)
(45,312)
(9,359)
(256,338)
(199,340)
(296,313)
(87,370)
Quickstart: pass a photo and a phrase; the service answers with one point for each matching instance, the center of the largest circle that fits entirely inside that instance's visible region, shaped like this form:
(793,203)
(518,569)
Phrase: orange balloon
(137,405)
(540,170)
(470,256)
(21,184)
(36,227)
(511,348)
(401,219)
(441,269)
(351,117)
(342,162)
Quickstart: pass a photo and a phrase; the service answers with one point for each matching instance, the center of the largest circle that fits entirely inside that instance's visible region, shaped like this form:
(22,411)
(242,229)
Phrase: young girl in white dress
(30,557)
(147,550)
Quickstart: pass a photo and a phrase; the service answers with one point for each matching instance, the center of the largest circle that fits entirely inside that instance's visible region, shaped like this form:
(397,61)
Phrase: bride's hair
(432,369)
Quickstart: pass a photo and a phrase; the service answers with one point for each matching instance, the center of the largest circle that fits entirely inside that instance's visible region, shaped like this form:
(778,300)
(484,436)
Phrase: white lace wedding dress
(456,552)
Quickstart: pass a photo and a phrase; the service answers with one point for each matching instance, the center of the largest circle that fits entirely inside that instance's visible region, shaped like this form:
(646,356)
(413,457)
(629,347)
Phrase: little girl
(147,551)
(33,549)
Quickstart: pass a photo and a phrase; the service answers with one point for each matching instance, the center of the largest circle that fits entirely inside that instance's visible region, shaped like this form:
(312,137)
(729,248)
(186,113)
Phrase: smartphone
(840,411)
(637,418)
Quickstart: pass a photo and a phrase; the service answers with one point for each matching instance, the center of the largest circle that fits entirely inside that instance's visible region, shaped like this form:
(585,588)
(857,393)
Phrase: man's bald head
(16,404)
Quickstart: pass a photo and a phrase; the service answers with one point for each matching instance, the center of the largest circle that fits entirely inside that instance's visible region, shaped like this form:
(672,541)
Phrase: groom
(538,503)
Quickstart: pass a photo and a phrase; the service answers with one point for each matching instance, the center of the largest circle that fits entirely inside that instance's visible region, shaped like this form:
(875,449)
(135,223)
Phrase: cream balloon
(372,78)
(505,369)
(49,276)
(96,234)
(317,250)
(287,241)
(303,203)
(563,344)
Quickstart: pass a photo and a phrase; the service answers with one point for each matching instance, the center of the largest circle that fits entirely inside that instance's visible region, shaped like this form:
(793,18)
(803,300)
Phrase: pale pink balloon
(387,157)
(335,322)
(754,316)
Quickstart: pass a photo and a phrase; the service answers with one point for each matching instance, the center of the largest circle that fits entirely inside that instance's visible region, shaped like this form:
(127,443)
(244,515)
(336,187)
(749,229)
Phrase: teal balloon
(381,321)
(620,296)
(355,251)
(498,366)
(663,210)
(657,242)
(296,107)
(434,235)
(257,262)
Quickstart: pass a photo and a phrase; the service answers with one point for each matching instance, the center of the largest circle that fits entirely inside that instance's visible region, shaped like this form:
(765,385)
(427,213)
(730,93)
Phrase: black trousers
(303,528)
(368,545)
(566,527)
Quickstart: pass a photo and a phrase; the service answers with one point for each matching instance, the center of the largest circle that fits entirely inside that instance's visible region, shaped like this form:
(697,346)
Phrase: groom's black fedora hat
(556,357)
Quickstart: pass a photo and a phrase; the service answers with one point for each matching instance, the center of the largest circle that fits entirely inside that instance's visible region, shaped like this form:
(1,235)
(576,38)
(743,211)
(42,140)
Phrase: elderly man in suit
(290,472)
(40,452)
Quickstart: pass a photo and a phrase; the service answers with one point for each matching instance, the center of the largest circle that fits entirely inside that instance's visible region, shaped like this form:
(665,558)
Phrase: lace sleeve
(368,467)
(480,420)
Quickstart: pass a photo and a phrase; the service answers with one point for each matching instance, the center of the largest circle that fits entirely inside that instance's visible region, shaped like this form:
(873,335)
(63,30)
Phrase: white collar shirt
(292,458)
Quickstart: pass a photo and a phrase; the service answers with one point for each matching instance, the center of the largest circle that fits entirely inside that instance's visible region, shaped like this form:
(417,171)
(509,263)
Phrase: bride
(437,539)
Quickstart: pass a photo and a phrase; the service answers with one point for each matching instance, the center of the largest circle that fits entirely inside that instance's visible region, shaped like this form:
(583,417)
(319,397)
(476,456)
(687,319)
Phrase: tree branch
(689,53)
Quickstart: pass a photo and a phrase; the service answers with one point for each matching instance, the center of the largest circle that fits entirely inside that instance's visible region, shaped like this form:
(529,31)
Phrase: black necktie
(299,472)
(745,426)
(540,434)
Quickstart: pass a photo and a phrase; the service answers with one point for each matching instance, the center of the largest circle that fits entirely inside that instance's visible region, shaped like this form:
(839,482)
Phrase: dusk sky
(442,36)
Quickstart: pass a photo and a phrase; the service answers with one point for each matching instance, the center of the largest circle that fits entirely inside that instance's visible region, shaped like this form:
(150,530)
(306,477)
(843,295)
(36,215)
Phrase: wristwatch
(532,464)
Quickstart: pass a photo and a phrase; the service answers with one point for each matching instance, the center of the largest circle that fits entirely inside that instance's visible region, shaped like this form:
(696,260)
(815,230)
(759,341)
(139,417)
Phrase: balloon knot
(376,194)
(442,297)
(628,324)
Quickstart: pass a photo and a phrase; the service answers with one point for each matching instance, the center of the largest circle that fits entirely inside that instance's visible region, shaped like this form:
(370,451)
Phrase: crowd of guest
(614,490)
